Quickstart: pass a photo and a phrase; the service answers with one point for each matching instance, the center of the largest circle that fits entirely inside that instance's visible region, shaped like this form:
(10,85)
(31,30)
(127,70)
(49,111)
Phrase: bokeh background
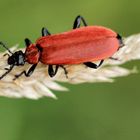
(102,111)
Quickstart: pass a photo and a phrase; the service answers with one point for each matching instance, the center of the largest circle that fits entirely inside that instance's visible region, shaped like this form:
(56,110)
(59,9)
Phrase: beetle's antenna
(8,70)
(3,45)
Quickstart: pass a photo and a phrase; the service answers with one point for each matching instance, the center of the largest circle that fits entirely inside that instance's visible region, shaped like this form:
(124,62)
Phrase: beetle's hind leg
(77,22)
(93,65)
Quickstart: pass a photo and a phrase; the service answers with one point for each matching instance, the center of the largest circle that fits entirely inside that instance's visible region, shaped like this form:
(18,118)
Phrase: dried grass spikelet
(39,84)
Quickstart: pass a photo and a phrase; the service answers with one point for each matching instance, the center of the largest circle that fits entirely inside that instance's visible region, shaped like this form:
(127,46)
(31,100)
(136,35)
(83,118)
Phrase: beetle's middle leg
(45,32)
(53,71)
(93,65)
(66,73)
(77,22)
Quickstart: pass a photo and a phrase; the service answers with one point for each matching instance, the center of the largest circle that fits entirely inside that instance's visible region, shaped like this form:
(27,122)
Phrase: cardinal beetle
(80,45)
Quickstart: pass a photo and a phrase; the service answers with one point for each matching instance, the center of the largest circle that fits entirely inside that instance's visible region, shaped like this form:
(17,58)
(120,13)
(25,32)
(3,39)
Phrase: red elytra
(80,45)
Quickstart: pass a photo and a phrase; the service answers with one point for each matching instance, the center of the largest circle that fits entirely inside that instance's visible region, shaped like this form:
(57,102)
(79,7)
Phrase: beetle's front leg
(28,73)
(77,22)
(27,42)
(93,65)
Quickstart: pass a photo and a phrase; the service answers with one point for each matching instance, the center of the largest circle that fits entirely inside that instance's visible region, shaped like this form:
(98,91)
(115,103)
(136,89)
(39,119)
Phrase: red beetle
(80,45)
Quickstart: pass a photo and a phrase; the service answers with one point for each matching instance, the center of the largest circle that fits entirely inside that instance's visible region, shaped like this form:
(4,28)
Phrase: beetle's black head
(17,58)
(120,41)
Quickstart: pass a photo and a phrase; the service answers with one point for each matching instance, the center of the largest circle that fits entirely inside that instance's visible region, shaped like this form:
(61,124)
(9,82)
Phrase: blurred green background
(103,111)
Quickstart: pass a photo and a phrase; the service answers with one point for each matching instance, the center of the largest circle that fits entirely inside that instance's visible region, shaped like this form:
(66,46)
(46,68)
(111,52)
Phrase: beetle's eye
(21,60)
(11,60)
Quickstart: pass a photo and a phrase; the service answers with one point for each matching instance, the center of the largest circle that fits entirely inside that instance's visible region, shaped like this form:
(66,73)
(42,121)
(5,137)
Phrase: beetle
(79,45)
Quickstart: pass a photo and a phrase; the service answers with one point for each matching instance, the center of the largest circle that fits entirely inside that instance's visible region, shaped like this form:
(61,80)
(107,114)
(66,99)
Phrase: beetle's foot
(112,58)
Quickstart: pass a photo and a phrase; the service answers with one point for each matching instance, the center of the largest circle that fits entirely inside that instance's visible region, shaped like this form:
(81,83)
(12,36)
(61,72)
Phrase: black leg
(112,58)
(66,73)
(45,32)
(51,71)
(28,73)
(4,46)
(77,22)
(8,70)
(92,65)
(27,42)
(120,41)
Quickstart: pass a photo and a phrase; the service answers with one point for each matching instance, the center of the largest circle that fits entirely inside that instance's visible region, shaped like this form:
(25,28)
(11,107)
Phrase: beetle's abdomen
(84,44)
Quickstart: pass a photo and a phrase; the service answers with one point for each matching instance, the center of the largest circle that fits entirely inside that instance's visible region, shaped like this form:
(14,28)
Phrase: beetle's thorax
(32,54)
